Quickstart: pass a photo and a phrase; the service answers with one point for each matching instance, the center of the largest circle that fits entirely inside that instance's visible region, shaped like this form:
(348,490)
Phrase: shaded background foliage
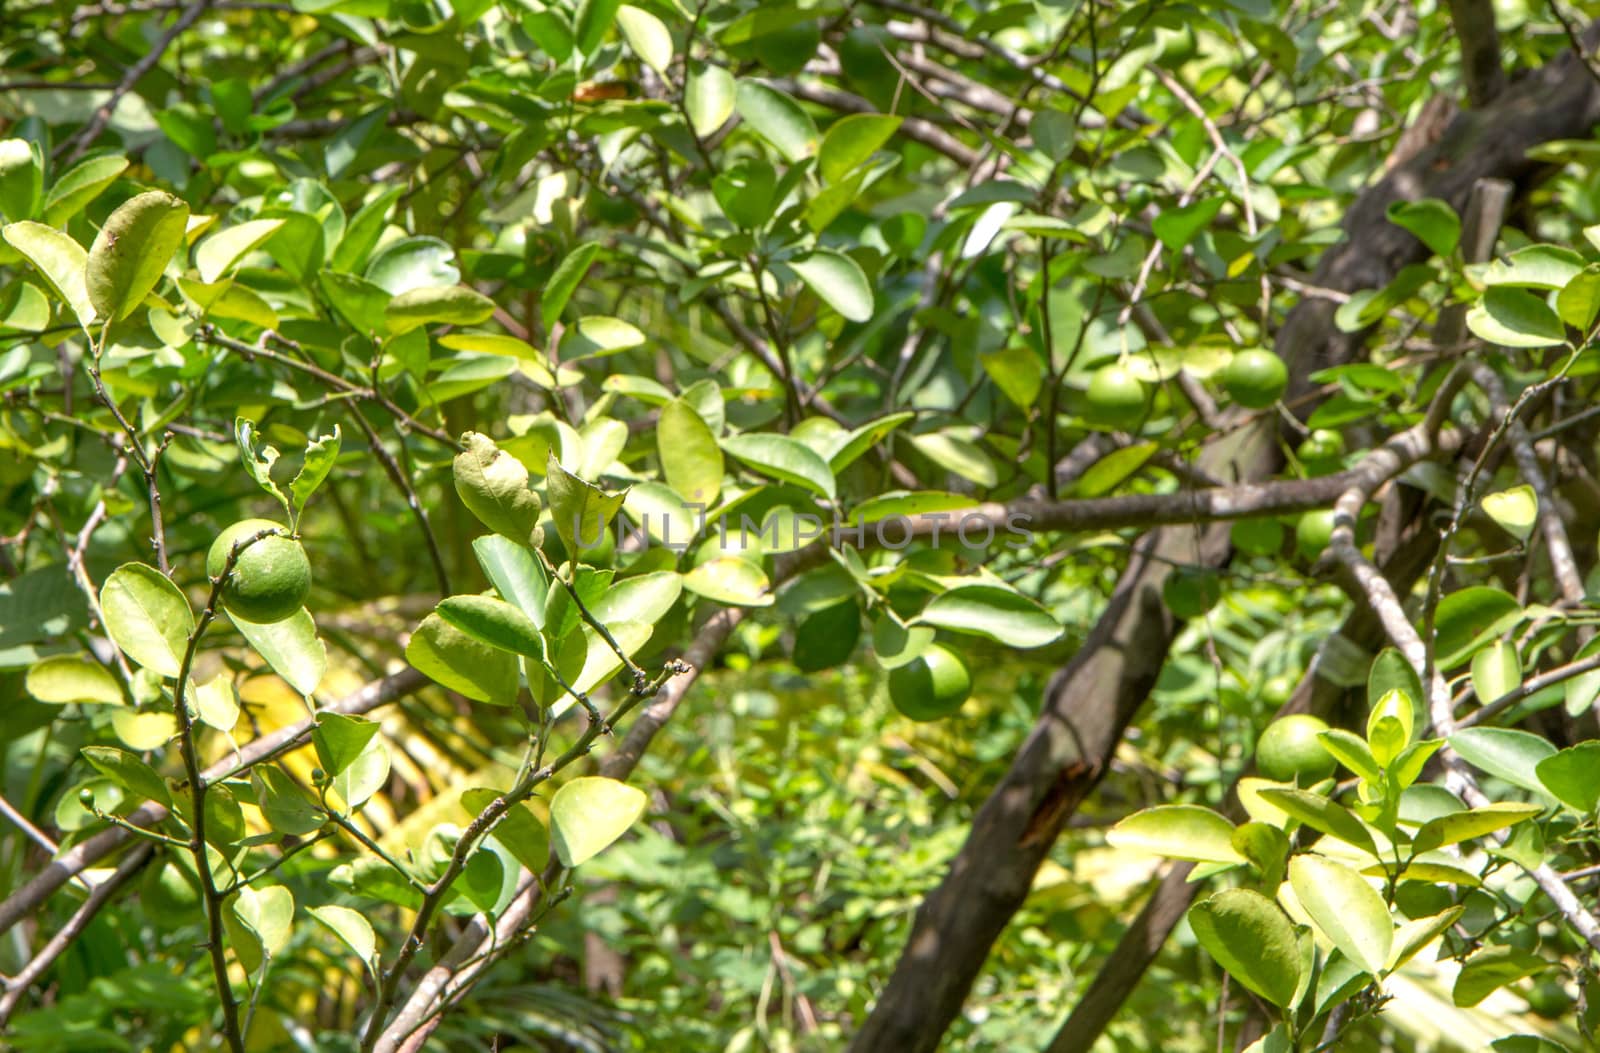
(656,196)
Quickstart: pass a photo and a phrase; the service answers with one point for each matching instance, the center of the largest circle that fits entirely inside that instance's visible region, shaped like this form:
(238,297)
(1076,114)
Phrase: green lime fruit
(271,578)
(1313,532)
(1257,537)
(1255,379)
(1323,444)
(1289,750)
(932,686)
(1190,593)
(1549,999)
(1116,397)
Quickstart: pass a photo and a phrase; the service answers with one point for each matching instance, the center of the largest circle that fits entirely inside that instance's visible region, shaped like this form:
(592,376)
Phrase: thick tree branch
(1480,49)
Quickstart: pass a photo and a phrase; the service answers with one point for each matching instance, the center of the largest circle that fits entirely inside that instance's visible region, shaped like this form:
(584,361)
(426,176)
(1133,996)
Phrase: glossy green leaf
(581,511)
(588,814)
(1319,813)
(1496,671)
(648,36)
(1491,969)
(320,457)
(455,660)
(1514,318)
(1572,776)
(1434,223)
(60,260)
(494,487)
(1002,615)
(1178,831)
(437,304)
(1515,510)
(1345,908)
(128,771)
(353,930)
(494,622)
(21,179)
(132,250)
(80,185)
(147,617)
(217,255)
(1535,267)
(838,281)
(777,118)
(287,808)
(290,646)
(515,573)
(1467,618)
(64,679)
(690,457)
(783,458)
(730,580)
(708,98)
(1251,938)
(519,830)
(852,140)
(1464,826)
(1504,752)
(570,274)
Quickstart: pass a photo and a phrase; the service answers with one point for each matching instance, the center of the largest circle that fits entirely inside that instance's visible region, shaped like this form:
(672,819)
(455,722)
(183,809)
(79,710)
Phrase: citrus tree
(737,525)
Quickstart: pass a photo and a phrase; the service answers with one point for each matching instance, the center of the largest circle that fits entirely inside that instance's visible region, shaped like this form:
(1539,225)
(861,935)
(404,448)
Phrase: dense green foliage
(560,525)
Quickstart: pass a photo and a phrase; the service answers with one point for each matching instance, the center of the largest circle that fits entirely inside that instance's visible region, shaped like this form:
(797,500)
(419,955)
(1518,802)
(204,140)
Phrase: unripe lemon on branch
(271,578)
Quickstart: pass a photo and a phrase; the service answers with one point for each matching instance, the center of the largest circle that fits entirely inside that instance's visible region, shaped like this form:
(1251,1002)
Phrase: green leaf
(257,465)
(1251,938)
(846,448)
(1002,615)
(321,454)
(783,458)
(1579,300)
(730,580)
(515,574)
(593,21)
(267,914)
(1573,776)
(494,622)
(217,254)
(1513,318)
(59,259)
(598,335)
(132,250)
(1319,813)
(1434,223)
(852,140)
(365,775)
(128,771)
(1490,969)
(839,282)
(287,808)
(412,263)
(581,511)
(147,617)
(519,830)
(215,702)
(648,36)
(589,813)
(1464,826)
(1054,133)
(1582,692)
(1496,671)
(1504,752)
(957,454)
(1515,510)
(70,678)
(1346,908)
(690,457)
(1177,227)
(353,930)
(447,304)
(21,179)
(1391,725)
(1178,831)
(1352,751)
(574,268)
(341,739)
(80,185)
(290,646)
(1535,267)
(494,487)
(827,638)
(1467,618)
(455,660)
(1410,937)
(643,598)
(708,98)
(777,118)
